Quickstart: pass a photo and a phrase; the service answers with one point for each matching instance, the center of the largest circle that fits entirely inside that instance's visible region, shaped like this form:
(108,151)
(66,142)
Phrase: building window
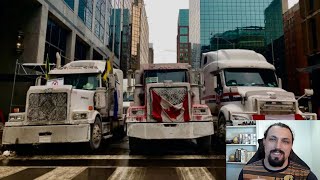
(100,17)
(183,39)
(70,3)
(311,5)
(81,49)
(183,30)
(85,12)
(56,38)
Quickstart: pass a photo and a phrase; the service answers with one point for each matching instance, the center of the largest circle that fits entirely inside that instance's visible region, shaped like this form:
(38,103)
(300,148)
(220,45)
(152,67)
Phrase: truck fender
(226,109)
(93,117)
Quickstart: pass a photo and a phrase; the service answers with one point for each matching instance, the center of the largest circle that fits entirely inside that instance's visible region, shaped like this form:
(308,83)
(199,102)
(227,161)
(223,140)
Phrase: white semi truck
(241,86)
(75,105)
(167,106)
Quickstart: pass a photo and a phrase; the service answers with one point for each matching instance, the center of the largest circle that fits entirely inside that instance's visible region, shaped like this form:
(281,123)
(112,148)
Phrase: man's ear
(263,141)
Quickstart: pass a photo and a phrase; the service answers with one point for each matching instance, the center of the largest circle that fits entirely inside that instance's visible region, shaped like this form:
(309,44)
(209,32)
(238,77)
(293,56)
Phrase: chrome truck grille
(174,95)
(47,107)
(277,107)
(169,104)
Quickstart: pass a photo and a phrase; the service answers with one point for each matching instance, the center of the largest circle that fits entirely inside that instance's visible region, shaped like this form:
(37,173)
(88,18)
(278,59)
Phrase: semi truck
(241,86)
(77,104)
(167,106)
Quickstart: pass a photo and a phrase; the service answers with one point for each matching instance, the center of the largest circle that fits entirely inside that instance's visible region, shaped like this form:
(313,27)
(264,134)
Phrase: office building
(183,45)
(140,35)
(296,60)
(77,29)
(241,24)
(310,13)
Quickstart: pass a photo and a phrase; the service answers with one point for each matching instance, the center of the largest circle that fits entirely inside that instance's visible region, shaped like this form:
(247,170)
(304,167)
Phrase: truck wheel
(204,143)
(222,129)
(96,134)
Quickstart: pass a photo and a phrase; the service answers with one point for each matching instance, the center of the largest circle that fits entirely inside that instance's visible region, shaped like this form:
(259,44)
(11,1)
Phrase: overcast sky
(163,23)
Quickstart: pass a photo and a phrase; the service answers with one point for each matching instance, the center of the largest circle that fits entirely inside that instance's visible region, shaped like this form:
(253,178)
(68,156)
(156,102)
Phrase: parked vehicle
(167,106)
(241,86)
(76,105)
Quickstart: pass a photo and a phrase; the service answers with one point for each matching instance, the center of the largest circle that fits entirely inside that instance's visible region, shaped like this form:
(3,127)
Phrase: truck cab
(167,106)
(75,105)
(241,86)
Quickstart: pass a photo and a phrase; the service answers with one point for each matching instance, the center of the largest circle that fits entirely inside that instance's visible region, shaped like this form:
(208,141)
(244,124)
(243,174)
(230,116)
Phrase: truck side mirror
(280,82)
(307,92)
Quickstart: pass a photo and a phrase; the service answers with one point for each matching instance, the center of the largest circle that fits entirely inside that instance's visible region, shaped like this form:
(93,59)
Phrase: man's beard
(276,162)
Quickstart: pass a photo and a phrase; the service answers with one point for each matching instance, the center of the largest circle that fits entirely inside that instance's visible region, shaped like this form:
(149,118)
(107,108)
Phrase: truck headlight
(200,110)
(14,117)
(80,115)
(239,117)
(136,114)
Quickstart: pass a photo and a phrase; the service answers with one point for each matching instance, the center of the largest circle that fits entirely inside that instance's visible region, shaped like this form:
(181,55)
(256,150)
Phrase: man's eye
(272,139)
(286,142)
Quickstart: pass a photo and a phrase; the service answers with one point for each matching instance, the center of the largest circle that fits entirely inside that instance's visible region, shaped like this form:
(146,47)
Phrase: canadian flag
(164,111)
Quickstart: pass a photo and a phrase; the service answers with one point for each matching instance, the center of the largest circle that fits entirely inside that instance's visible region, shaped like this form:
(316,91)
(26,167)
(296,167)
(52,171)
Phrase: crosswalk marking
(120,173)
(194,173)
(7,171)
(62,173)
(128,173)
(168,157)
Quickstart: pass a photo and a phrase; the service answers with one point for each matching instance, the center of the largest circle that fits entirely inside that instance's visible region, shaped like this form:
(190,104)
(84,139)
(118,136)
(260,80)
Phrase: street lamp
(19,51)
(19,44)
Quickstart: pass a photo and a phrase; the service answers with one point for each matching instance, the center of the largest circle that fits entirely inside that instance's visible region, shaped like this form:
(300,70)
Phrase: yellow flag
(107,70)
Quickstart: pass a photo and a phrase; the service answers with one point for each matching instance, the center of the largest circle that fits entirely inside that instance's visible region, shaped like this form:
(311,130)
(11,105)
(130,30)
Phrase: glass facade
(56,40)
(100,19)
(115,29)
(241,24)
(126,37)
(140,35)
(70,3)
(85,12)
(183,45)
(81,49)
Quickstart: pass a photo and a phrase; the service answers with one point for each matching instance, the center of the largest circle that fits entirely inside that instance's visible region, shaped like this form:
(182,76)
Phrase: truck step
(107,136)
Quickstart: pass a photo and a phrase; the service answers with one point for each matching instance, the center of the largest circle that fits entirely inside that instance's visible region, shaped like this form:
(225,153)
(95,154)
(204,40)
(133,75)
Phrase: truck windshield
(79,81)
(250,77)
(158,76)
(128,96)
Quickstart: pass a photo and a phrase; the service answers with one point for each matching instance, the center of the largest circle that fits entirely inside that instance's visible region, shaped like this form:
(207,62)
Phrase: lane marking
(7,171)
(128,173)
(101,157)
(62,173)
(194,173)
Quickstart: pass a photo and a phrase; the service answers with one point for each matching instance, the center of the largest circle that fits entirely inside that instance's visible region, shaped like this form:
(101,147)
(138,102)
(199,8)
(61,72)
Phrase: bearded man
(275,159)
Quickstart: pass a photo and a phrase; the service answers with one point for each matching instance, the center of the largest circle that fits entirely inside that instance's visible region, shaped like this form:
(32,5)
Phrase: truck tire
(96,134)
(222,129)
(204,144)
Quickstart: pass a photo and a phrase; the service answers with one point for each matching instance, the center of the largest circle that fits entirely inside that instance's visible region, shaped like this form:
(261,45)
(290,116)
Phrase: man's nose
(278,144)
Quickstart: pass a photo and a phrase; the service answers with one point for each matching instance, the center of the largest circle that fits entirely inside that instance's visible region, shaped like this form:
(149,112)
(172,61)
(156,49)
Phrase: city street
(162,160)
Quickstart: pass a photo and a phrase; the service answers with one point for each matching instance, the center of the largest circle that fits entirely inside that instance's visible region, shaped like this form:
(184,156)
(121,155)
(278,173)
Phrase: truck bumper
(46,134)
(189,130)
